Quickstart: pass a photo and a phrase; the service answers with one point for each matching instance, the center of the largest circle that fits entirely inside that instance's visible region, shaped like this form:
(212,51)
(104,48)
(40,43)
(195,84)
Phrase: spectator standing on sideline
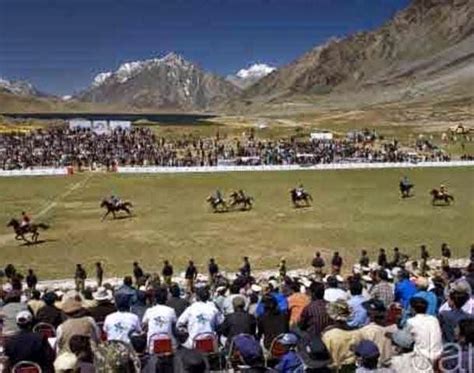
(336,263)
(424,259)
(80,278)
(99,274)
(364,260)
(167,272)
(190,276)
(137,273)
(382,259)
(213,269)
(31,280)
(318,265)
(246,269)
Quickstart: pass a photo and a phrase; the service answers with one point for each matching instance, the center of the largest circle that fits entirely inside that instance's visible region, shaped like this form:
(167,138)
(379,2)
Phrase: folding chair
(162,344)
(45,329)
(206,343)
(103,334)
(26,367)
(277,350)
(234,358)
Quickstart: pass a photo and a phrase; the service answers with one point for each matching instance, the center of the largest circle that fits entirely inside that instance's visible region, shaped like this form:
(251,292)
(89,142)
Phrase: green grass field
(352,210)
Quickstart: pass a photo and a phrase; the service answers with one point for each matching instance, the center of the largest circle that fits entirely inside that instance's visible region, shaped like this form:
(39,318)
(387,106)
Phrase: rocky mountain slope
(431,41)
(170,83)
(246,77)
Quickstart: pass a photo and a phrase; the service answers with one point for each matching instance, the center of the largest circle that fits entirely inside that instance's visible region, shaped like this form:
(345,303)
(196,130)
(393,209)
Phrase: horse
(111,208)
(217,204)
(297,198)
(21,231)
(405,189)
(438,196)
(239,199)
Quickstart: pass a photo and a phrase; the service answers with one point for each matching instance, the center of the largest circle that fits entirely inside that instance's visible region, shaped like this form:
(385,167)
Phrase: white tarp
(99,126)
(80,123)
(321,136)
(122,124)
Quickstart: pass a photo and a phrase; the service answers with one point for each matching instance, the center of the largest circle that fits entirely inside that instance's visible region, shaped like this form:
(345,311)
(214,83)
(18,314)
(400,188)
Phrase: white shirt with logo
(160,320)
(119,325)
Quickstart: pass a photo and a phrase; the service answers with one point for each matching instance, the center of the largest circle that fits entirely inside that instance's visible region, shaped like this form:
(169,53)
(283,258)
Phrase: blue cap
(289,339)
(367,349)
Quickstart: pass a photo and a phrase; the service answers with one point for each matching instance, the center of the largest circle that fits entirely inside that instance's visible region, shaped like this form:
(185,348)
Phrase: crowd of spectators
(383,316)
(83,148)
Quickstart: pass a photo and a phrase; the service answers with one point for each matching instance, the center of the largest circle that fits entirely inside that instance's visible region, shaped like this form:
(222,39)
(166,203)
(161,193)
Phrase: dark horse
(111,208)
(405,189)
(241,199)
(297,198)
(438,196)
(21,231)
(217,204)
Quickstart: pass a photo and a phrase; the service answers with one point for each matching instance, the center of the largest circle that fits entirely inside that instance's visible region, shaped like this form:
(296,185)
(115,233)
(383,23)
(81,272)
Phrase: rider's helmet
(301,186)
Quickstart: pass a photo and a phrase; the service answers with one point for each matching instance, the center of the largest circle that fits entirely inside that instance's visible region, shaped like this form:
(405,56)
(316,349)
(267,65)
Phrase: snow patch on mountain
(18,87)
(250,75)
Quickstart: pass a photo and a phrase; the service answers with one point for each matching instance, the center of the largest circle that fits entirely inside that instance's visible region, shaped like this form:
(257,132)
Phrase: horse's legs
(105,215)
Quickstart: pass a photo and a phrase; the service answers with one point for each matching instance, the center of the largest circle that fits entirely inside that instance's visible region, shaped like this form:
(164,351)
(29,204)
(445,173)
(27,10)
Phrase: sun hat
(256,288)
(339,310)
(102,294)
(66,361)
(24,317)
(71,305)
(367,349)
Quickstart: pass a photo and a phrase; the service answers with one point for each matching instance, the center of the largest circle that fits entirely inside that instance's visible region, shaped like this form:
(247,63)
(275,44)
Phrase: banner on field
(100,127)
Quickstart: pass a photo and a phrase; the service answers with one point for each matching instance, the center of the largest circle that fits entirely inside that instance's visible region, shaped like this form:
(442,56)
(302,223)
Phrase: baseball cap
(367,349)
(289,339)
(24,317)
(375,305)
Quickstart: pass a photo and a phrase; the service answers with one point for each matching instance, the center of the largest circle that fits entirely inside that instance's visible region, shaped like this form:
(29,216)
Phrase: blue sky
(60,45)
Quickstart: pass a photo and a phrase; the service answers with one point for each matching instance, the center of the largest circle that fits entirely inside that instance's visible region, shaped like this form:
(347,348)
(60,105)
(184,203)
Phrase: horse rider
(115,201)
(218,196)
(241,194)
(300,190)
(405,182)
(25,220)
(443,191)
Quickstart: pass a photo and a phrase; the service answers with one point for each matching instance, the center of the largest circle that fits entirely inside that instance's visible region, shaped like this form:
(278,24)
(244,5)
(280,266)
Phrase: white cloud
(255,71)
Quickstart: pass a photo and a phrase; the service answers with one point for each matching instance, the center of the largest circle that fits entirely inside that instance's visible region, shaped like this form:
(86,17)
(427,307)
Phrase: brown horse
(217,205)
(22,231)
(438,196)
(297,198)
(111,208)
(242,199)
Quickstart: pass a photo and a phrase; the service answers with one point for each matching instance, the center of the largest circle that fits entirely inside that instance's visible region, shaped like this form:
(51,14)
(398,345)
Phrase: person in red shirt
(25,219)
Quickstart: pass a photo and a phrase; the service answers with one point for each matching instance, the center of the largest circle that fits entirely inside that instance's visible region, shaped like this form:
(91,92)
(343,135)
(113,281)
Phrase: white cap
(256,288)
(24,317)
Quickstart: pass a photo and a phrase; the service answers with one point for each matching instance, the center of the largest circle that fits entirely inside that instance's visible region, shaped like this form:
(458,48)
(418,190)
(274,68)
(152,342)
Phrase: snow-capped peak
(255,71)
(101,78)
(18,87)
(66,97)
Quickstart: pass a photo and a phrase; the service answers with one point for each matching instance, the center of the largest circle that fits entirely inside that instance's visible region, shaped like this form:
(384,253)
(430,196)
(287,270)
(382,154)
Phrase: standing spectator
(238,322)
(121,324)
(424,260)
(159,319)
(445,256)
(318,265)
(99,274)
(104,306)
(50,314)
(297,301)
(137,273)
(190,276)
(228,303)
(31,280)
(167,272)
(449,320)
(80,278)
(404,289)
(382,259)
(213,269)
(282,269)
(339,338)
(272,323)
(29,346)
(175,301)
(422,284)
(382,289)
(273,290)
(10,271)
(35,303)
(336,263)
(358,317)
(397,259)
(128,290)
(246,269)
(200,317)
(364,260)
(314,318)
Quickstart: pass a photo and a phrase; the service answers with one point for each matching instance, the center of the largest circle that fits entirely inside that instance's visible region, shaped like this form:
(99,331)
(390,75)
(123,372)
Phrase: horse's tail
(128,204)
(43,226)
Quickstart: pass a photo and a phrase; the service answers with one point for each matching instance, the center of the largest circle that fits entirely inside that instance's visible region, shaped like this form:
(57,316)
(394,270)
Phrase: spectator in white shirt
(426,331)
(159,319)
(333,292)
(201,317)
(119,325)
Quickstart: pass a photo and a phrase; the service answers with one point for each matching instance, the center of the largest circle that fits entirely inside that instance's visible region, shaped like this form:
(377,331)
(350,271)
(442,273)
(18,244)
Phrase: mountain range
(425,50)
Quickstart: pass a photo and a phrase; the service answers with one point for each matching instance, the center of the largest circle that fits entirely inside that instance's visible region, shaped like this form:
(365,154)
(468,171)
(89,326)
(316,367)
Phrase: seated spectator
(333,292)
(200,317)
(188,360)
(228,305)
(404,289)
(449,320)
(175,301)
(272,323)
(81,347)
(238,322)
(140,306)
(119,325)
(358,316)
(250,353)
(78,322)
(367,354)
(128,290)
(422,284)
(314,354)
(405,359)
(339,338)
(382,289)
(29,346)
(35,303)
(104,305)
(463,287)
(116,356)
(148,361)
(290,361)
(50,314)
(314,318)
(10,309)
(159,319)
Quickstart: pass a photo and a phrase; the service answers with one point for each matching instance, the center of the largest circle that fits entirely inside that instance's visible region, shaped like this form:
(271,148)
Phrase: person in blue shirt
(290,361)
(422,285)
(282,302)
(404,289)
(358,316)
